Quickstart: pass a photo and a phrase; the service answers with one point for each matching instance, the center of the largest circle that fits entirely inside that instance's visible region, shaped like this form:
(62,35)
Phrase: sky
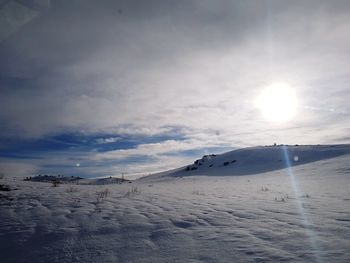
(102,88)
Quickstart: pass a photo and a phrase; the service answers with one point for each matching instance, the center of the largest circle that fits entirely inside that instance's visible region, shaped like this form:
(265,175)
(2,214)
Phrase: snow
(258,217)
(254,160)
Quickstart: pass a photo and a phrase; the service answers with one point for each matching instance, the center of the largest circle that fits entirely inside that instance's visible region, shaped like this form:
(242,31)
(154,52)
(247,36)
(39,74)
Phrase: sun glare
(277,102)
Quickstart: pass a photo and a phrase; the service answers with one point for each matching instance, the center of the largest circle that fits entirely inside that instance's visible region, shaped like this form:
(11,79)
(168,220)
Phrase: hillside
(255,160)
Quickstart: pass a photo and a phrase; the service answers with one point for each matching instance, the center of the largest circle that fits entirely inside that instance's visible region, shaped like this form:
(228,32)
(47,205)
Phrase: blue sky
(142,86)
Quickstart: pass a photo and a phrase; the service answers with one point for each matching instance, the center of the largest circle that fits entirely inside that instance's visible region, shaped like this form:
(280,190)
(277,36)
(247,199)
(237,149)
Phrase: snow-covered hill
(291,215)
(255,160)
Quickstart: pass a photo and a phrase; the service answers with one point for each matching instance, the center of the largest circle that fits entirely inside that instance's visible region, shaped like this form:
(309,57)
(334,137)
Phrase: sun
(277,102)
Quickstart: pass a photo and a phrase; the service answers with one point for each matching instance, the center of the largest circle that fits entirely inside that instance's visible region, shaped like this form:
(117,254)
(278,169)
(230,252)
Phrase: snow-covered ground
(301,214)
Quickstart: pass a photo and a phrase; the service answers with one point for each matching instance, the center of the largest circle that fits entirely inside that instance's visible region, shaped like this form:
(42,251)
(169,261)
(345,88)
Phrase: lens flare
(306,220)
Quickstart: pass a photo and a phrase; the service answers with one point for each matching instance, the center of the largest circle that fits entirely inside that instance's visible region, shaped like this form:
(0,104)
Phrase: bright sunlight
(277,102)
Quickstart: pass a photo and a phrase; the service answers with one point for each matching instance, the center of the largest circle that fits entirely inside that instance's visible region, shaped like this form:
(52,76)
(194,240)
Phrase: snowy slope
(254,160)
(296,215)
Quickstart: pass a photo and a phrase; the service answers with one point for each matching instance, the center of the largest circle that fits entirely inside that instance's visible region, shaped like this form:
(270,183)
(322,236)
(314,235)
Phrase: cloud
(154,149)
(13,16)
(108,140)
(9,167)
(141,68)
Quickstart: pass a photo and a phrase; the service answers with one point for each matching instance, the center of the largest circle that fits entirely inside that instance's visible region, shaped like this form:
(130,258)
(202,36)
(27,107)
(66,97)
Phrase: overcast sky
(143,86)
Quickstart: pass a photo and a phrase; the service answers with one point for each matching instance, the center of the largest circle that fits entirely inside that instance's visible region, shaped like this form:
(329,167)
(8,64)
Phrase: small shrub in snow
(264,188)
(102,194)
(71,189)
(132,191)
(280,199)
(55,183)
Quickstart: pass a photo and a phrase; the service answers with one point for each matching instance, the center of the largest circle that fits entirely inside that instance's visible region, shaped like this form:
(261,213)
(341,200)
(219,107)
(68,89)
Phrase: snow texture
(301,214)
